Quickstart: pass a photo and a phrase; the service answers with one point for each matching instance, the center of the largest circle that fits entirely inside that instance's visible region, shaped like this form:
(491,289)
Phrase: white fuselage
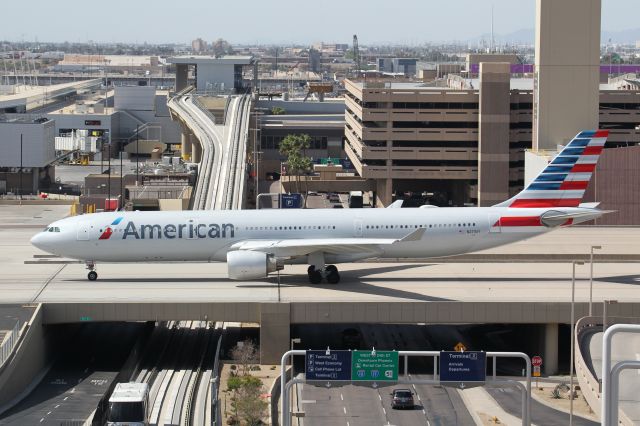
(209,235)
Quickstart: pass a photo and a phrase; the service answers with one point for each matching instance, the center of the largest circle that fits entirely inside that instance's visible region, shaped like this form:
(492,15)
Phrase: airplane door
(494,223)
(83,231)
(357,227)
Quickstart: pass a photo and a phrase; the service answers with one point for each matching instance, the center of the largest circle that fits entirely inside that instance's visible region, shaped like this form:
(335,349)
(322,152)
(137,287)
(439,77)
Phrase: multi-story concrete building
(567,69)
(465,146)
(198,45)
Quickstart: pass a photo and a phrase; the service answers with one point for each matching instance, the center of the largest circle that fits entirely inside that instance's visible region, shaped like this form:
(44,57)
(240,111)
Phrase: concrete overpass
(495,290)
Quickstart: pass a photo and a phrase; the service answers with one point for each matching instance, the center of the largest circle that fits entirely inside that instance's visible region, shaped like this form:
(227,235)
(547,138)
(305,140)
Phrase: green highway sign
(374,366)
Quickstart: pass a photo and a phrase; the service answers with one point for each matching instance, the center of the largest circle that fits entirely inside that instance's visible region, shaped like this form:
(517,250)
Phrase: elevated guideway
(626,346)
(221,178)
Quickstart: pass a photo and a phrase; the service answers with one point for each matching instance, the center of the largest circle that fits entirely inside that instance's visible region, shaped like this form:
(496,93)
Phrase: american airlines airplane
(257,242)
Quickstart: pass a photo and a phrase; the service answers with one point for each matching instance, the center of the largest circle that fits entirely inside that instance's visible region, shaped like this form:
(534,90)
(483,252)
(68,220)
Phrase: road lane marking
(42,420)
(341,397)
(379,396)
(57,406)
(65,398)
(384,411)
(344,409)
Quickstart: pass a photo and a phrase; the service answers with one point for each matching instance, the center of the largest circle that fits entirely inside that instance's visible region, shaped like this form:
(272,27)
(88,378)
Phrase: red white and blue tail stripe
(563,182)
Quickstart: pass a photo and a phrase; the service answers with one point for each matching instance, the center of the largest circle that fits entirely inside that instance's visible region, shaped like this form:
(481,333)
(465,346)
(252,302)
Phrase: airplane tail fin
(563,182)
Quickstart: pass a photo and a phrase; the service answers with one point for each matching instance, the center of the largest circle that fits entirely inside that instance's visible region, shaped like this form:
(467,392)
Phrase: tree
(245,353)
(294,148)
(221,47)
(247,402)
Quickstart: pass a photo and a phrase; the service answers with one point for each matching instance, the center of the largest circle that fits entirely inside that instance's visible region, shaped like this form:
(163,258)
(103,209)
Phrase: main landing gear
(92,275)
(329,272)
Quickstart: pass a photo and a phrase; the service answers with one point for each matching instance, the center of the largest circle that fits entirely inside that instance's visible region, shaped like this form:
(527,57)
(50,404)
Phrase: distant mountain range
(527,36)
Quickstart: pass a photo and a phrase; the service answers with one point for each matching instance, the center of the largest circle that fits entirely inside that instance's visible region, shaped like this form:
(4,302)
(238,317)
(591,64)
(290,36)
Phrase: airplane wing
(302,247)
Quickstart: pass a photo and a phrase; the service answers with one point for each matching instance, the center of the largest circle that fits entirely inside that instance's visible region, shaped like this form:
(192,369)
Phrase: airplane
(255,243)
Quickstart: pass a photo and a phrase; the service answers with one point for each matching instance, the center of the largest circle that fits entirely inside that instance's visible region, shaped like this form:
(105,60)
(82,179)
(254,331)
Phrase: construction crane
(356,55)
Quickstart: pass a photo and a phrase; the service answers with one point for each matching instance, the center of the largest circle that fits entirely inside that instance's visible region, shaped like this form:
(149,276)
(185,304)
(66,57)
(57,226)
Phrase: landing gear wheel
(93,275)
(333,277)
(331,268)
(315,277)
(310,269)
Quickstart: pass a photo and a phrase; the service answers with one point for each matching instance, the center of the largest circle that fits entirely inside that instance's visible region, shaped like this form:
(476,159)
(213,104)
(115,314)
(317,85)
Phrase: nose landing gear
(92,275)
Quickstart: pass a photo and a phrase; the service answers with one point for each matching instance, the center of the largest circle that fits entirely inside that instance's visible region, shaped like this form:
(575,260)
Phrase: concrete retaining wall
(29,359)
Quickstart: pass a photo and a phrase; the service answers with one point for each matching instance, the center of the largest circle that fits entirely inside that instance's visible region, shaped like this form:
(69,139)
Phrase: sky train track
(178,367)
(180,375)
(221,178)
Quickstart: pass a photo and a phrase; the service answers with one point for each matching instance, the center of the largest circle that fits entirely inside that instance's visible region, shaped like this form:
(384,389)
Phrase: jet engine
(250,265)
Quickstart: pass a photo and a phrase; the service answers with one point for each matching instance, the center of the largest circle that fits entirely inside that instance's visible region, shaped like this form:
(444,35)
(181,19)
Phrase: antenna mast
(493,41)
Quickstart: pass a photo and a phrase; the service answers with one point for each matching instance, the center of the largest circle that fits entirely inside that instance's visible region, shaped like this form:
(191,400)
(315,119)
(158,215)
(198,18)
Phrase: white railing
(9,342)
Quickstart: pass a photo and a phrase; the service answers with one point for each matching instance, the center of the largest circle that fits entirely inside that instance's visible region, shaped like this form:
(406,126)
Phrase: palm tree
(294,148)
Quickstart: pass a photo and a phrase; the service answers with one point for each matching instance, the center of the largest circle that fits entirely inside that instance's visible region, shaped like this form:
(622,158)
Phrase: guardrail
(590,384)
(214,403)
(10,341)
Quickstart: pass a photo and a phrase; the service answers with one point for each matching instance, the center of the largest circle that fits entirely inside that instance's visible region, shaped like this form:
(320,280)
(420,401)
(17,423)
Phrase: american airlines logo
(108,231)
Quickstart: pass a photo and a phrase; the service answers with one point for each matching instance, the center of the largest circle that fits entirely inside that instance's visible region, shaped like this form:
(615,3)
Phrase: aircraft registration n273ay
(257,242)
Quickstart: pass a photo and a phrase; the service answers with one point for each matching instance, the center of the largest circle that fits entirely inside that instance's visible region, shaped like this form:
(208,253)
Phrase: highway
(87,360)
(358,405)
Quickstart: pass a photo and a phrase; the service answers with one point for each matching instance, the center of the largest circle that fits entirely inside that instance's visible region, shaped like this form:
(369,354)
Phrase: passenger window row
(289,228)
(437,225)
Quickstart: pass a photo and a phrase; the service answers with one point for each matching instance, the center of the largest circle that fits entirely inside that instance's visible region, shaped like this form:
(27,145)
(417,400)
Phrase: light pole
(573,299)
(591,279)
(293,341)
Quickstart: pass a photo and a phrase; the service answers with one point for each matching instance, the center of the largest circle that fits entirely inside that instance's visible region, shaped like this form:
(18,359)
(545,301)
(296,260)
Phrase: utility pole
(121,182)
(20,172)
(109,175)
(137,150)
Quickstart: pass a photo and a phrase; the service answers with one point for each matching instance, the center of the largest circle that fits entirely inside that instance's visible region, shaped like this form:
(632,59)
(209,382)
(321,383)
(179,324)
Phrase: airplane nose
(38,241)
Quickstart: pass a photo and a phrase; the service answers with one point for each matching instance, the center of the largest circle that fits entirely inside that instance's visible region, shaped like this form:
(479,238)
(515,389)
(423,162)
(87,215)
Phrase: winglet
(413,236)
(396,204)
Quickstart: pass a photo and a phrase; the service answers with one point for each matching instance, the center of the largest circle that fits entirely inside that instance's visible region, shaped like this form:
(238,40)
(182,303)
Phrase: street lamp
(591,279)
(293,341)
(573,299)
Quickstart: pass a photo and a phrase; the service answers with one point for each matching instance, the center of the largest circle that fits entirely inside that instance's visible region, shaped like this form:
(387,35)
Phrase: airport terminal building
(465,143)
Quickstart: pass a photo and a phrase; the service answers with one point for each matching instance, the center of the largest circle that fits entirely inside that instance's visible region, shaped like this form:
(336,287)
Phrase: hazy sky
(278,21)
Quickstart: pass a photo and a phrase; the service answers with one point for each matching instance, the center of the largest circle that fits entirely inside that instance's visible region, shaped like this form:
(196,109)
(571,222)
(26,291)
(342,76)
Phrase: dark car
(402,398)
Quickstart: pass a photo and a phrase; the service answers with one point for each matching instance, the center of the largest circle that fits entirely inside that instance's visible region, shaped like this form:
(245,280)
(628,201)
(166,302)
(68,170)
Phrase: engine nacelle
(250,265)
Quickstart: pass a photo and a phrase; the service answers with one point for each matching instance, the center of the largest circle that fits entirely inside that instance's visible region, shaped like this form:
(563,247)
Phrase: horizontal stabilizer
(589,205)
(396,204)
(554,218)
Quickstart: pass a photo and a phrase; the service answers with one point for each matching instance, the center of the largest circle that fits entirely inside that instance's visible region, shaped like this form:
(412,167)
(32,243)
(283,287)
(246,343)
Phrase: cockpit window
(46,229)
(52,229)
